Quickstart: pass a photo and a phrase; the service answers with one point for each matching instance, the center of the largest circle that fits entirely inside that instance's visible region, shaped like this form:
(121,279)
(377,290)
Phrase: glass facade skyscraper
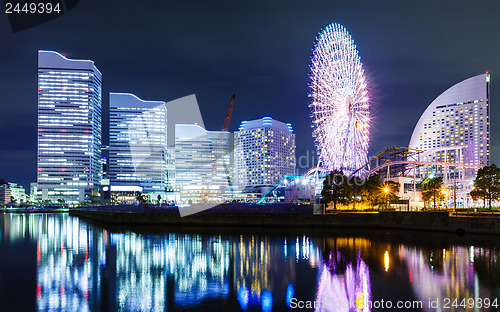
(137,144)
(197,178)
(264,152)
(69,127)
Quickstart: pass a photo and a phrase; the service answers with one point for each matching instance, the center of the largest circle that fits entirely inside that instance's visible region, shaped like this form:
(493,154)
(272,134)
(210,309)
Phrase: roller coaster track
(383,152)
(308,174)
(419,153)
(419,162)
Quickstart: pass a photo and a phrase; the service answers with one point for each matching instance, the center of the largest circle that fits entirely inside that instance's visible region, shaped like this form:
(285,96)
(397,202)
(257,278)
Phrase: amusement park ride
(340,121)
(340,118)
(390,163)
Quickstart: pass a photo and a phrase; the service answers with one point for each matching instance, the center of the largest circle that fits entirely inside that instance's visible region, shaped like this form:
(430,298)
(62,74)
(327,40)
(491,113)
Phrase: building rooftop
(265,122)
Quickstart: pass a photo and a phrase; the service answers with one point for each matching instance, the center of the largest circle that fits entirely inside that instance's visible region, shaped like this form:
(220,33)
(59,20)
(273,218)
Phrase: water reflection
(445,275)
(80,267)
(344,292)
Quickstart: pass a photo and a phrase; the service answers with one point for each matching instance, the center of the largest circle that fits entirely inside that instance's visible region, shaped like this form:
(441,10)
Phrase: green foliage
(432,189)
(335,189)
(140,198)
(372,190)
(340,189)
(487,184)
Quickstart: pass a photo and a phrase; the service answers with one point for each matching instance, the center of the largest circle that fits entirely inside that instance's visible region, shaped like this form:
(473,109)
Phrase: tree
(432,189)
(388,190)
(335,189)
(354,190)
(477,194)
(487,184)
(113,198)
(140,197)
(159,199)
(371,190)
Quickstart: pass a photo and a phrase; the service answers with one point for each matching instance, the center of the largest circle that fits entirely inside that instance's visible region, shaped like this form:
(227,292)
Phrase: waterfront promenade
(290,216)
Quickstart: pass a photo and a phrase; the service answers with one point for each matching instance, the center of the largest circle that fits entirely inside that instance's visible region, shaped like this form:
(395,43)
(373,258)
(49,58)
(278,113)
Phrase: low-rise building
(4,194)
(17,192)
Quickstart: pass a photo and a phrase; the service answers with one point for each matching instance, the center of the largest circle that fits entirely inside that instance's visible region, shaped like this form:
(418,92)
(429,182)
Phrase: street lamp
(386,190)
(444,192)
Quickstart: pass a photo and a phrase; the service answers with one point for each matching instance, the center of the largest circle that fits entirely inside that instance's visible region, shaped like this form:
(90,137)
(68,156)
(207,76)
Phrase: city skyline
(265,66)
(139,158)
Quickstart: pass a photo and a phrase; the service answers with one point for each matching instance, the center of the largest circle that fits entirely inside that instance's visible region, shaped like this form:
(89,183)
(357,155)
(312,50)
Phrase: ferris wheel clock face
(339,101)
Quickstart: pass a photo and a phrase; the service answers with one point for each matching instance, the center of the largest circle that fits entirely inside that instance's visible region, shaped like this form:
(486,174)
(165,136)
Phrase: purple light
(348,292)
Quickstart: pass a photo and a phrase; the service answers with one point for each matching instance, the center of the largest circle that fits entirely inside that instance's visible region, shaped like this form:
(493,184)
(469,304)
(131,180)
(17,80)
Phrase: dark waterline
(54,262)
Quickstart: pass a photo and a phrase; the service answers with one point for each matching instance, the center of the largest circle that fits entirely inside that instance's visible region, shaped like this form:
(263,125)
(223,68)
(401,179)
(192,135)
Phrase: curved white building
(455,128)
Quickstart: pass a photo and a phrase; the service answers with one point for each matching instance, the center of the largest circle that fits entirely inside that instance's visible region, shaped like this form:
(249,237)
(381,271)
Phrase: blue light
(267,301)
(267,121)
(290,292)
(243,298)
(242,125)
(115,238)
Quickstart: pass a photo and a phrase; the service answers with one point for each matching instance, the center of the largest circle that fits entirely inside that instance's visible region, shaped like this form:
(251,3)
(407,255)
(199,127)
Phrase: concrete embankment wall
(426,221)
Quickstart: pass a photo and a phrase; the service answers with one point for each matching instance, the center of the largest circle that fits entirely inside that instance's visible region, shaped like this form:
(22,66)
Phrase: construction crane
(217,156)
(229,114)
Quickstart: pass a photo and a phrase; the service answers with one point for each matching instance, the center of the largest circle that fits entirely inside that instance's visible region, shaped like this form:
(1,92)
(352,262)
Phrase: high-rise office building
(455,128)
(264,152)
(137,144)
(197,178)
(69,127)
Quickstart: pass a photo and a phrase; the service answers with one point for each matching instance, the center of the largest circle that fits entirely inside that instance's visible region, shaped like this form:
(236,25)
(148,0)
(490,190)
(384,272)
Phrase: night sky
(259,50)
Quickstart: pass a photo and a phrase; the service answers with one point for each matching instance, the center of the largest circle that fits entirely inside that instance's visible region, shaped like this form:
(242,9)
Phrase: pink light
(63,169)
(40,130)
(38,292)
(87,131)
(39,169)
(336,290)
(63,130)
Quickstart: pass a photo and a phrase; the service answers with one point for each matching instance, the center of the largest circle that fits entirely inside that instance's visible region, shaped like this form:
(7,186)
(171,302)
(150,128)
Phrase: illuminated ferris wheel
(339,101)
